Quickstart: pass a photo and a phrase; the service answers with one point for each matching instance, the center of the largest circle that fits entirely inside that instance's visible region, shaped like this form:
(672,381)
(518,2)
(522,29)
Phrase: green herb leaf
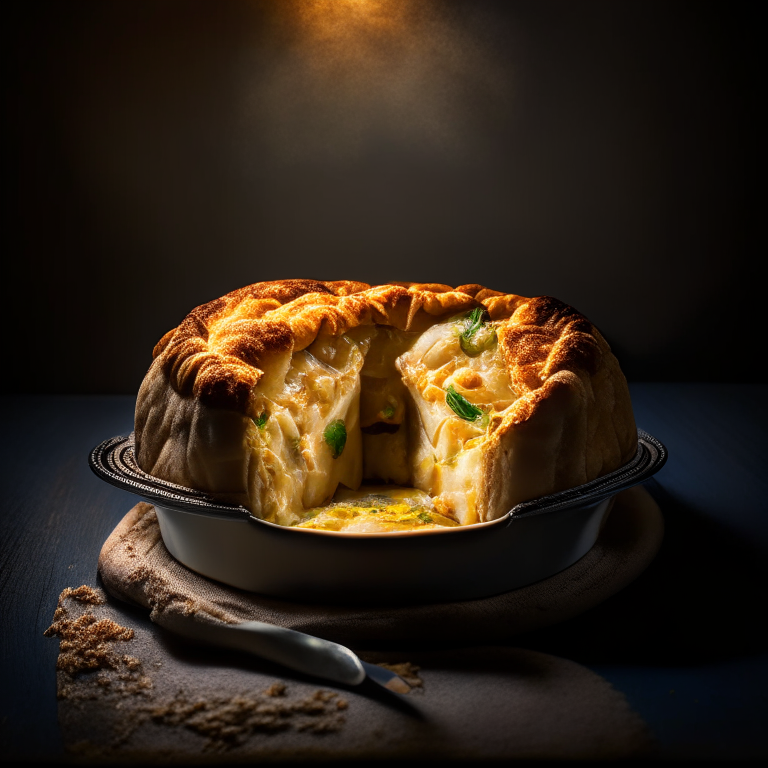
(425,518)
(473,321)
(388,412)
(261,420)
(461,406)
(477,336)
(335,434)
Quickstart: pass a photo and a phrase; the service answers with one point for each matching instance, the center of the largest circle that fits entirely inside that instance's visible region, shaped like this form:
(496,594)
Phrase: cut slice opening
(408,412)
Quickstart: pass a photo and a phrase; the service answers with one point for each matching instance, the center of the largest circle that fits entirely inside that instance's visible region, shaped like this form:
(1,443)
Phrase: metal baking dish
(533,541)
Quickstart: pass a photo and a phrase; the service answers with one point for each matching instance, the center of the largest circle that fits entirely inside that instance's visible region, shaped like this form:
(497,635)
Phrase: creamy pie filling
(379,405)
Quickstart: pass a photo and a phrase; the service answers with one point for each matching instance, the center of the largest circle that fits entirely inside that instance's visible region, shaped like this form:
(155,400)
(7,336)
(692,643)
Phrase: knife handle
(295,650)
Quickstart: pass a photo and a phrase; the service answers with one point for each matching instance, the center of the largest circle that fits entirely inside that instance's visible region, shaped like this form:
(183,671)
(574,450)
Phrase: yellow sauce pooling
(375,509)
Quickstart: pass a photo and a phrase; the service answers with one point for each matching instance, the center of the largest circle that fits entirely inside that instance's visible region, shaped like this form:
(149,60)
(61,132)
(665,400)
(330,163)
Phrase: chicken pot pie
(457,403)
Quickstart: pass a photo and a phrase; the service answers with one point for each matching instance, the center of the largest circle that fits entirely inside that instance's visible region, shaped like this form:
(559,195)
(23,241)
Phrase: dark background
(160,154)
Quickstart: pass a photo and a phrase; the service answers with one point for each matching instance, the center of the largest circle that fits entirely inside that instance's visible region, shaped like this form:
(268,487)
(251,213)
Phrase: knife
(295,650)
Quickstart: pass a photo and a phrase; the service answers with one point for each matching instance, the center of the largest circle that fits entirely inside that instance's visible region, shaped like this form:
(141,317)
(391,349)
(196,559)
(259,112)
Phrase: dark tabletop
(687,643)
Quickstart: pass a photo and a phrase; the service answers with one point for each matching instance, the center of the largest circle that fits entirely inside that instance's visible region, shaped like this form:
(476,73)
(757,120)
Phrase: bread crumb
(409,672)
(84,594)
(86,644)
(229,722)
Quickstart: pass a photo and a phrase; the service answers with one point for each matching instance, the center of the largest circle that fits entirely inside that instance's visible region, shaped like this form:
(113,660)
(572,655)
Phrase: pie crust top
(479,398)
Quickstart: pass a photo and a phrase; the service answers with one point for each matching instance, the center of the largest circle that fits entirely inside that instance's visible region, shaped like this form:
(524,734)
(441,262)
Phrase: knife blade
(385,677)
(296,650)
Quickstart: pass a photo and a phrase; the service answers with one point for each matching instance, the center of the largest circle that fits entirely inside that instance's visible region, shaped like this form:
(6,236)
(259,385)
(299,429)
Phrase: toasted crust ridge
(218,353)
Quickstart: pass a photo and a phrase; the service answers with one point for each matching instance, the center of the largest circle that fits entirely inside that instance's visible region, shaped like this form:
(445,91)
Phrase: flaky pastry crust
(571,421)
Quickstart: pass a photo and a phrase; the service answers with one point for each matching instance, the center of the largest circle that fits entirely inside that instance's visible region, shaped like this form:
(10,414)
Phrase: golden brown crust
(220,350)
(572,420)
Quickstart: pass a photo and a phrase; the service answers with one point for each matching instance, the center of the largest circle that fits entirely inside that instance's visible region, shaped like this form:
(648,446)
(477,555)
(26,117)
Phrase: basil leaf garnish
(461,406)
(335,434)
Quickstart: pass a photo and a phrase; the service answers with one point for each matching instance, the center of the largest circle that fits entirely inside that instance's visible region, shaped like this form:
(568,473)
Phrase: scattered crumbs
(83,594)
(86,644)
(227,722)
(322,696)
(92,665)
(409,672)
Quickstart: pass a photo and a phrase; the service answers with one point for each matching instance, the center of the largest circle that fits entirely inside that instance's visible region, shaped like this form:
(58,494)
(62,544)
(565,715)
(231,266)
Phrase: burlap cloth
(476,701)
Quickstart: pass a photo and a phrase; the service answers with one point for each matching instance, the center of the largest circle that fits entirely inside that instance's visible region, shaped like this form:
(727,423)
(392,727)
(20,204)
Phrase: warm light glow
(334,18)
(345,78)
(340,31)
